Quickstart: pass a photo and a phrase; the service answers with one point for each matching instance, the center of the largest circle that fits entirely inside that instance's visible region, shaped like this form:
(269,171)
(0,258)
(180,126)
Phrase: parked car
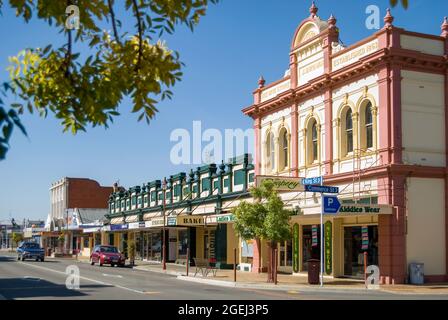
(30,250)
(107,255)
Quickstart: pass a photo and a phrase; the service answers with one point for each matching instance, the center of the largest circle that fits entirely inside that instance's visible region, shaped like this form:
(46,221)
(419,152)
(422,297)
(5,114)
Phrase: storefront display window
(182,243)
(311,244)
(356,243)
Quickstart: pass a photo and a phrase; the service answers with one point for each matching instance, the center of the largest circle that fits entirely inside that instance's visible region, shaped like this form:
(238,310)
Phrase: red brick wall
(86,193)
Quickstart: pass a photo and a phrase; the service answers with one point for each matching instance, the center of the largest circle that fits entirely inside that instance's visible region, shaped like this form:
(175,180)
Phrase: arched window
(270,152)
(284,152)
(368,125)
(349,131)
(314,141)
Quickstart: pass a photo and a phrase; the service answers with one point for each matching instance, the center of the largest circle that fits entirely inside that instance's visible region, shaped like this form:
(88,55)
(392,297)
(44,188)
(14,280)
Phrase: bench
(204,266)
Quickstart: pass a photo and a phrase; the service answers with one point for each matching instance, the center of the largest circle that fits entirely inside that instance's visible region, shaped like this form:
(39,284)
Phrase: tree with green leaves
(264,219)
(17,237)
(86,90)
(404,3)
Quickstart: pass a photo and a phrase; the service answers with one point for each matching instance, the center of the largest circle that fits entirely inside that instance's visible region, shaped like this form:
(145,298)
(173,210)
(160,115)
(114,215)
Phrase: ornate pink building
(371,118)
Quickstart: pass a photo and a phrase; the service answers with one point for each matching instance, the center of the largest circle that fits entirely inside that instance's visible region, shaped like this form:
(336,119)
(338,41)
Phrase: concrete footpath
(286,282)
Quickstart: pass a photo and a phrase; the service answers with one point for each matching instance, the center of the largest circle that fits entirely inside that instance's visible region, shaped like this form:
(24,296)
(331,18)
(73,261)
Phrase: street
(42,281)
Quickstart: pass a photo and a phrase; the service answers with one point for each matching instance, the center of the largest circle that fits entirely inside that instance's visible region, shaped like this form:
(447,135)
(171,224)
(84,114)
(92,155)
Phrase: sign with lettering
(328,247)
(353,209)
(190,220)
(354,55)
(295,248)
(274,91)
(282,183)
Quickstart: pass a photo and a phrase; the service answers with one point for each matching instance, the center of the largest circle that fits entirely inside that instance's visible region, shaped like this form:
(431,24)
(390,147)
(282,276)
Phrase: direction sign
(321,189)
(330,204)
(313,181)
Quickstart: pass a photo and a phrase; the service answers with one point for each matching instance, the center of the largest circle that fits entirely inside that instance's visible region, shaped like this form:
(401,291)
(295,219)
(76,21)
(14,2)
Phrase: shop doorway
(285,257)
(357,241)
(310,244)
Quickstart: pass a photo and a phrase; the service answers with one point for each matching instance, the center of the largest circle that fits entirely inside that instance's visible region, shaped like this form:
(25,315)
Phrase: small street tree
(265,219)
(16,238)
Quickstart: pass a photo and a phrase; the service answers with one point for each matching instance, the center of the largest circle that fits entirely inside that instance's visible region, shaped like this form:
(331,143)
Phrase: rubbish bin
(313,271)
(416,273)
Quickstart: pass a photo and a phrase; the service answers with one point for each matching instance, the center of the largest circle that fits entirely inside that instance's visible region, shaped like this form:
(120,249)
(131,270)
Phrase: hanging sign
(295,248)
(365,238)
(328,248)
(282,183)
(315,240)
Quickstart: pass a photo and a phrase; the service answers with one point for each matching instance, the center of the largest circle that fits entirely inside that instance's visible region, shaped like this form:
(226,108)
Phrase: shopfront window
(152,246)
(311,244)
(182,243)
(359,240)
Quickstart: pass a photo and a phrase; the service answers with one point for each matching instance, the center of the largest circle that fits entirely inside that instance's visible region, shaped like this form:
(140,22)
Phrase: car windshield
(31,246)
(109,249)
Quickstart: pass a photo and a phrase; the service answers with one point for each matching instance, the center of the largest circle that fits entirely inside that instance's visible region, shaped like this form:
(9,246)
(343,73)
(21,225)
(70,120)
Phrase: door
(310,244)
(358,241)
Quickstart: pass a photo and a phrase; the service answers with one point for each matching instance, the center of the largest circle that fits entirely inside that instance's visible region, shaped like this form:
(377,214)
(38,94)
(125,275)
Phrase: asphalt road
(47,280)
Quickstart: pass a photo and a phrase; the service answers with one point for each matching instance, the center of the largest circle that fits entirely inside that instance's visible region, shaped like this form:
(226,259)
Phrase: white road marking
(112,275)
(84,278)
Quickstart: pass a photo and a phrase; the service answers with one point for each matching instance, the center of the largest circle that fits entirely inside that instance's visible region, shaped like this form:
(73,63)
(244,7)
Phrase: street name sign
(321,189)
(313,181)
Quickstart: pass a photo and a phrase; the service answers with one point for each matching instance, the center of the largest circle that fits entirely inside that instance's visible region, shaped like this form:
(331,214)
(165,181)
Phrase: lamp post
(163,230)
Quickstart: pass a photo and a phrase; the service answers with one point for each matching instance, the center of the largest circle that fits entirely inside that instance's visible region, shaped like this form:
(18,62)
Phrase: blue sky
(236,42)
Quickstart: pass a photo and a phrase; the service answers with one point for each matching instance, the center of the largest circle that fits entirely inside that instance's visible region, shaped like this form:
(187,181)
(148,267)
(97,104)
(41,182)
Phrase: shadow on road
(35,288)
(14,258)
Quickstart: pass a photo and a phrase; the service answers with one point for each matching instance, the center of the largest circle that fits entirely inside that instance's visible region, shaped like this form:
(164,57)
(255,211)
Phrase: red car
(107,255)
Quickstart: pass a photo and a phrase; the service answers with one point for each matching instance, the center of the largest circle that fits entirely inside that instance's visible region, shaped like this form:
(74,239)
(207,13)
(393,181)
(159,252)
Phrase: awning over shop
(133,218)
(118,220)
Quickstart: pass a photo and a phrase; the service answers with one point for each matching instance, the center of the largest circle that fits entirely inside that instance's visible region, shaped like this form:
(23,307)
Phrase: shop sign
(190,221)
(282,183)
(172,221)
(328,248)
(295,248)
(225,218)
(365,209)
(137,225)
(157,222)
(118,227)
(92,230)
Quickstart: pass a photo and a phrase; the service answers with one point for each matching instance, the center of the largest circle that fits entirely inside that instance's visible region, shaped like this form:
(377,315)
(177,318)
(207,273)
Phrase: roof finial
(388,19)
(313,10)
(445,28)
(332,22)
(261,82)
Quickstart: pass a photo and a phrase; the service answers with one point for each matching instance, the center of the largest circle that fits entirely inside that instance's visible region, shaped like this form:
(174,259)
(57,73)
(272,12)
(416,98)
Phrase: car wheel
(42,259)
(23,258)
(112,265)
(37,259)
(91,261)
(18,257)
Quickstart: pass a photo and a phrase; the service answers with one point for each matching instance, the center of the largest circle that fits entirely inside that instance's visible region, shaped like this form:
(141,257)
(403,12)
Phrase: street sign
(321,189)
(330,204)
(313,181)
